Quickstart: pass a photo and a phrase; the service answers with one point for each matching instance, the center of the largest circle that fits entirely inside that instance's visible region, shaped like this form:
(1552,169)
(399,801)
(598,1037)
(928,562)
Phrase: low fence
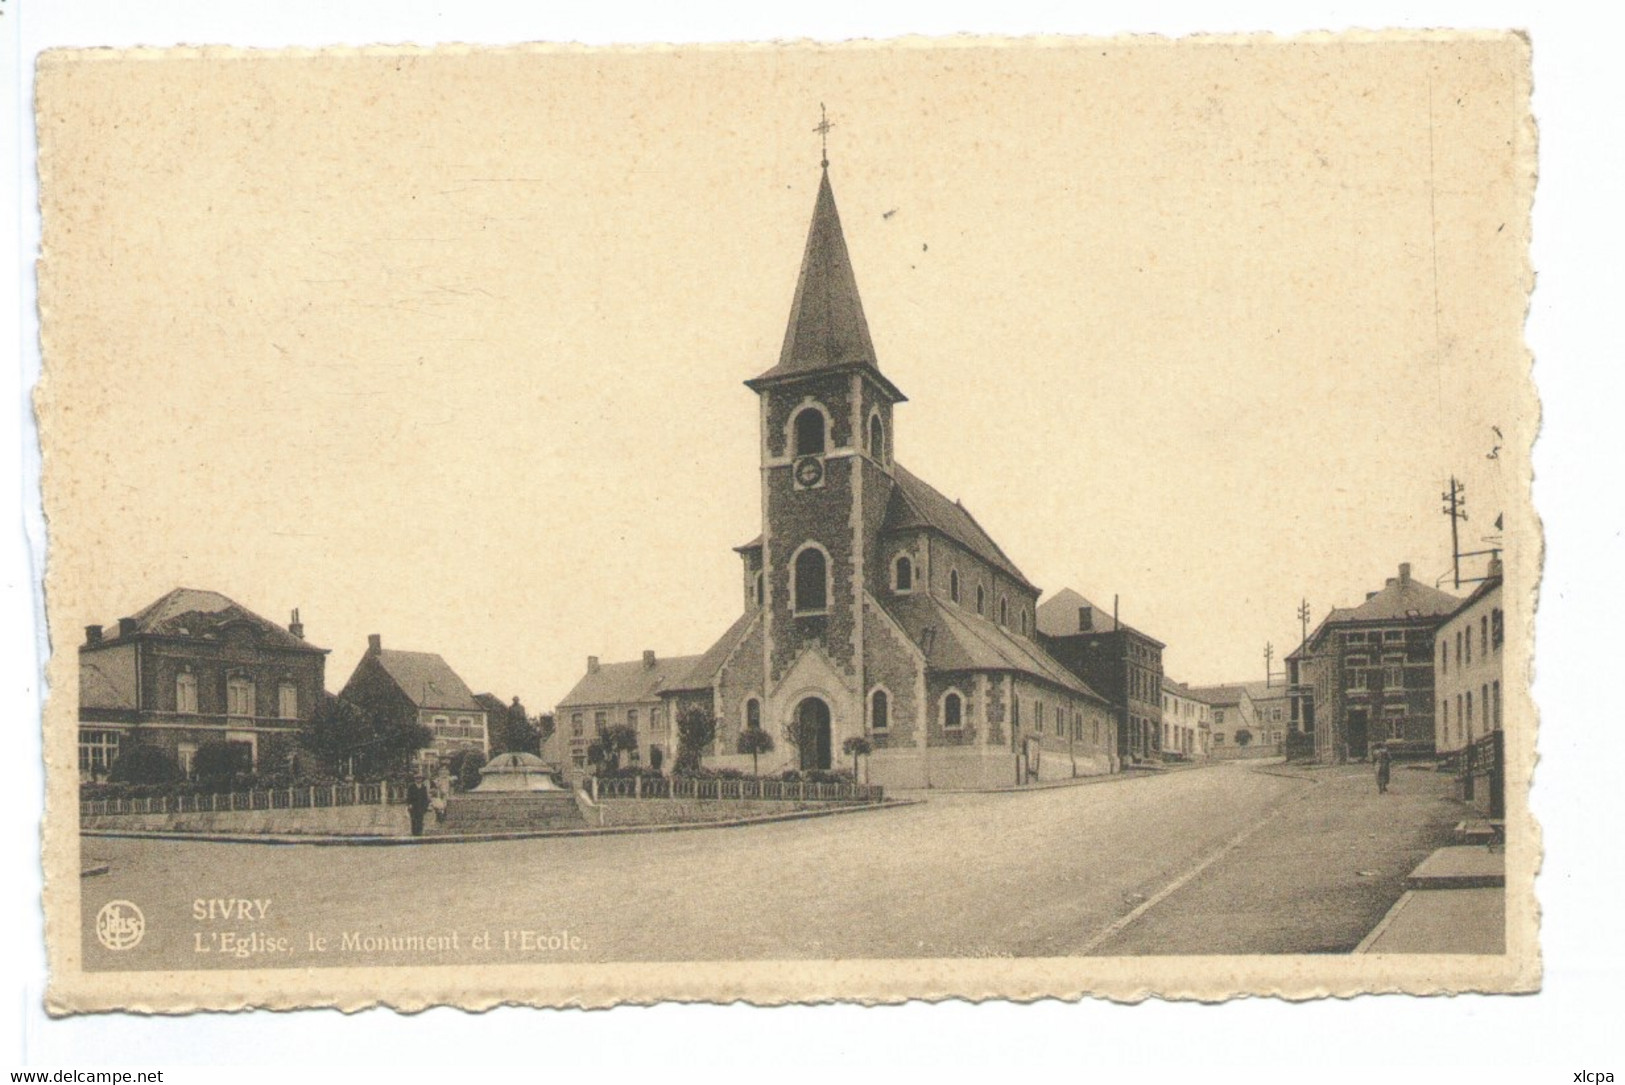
(666,787)
(307,797)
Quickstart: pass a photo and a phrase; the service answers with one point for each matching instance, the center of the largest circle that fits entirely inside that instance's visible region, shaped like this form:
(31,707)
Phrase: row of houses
(195,667)
(1413,669)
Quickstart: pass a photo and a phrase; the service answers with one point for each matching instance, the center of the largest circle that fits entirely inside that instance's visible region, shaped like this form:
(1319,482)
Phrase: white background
(1574,331)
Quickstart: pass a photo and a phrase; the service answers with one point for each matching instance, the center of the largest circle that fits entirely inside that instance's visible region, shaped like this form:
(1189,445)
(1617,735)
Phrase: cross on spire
(822,129)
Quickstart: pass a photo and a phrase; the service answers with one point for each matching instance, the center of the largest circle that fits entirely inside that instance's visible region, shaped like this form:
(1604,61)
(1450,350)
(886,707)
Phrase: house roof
(1263,691)
(1180,689)
(963,641)
(1401,599)
(1220,696)
(191,612)
(427,680)
(915,504)
(703,674)
(827,328)
(625,683)
(1058,617)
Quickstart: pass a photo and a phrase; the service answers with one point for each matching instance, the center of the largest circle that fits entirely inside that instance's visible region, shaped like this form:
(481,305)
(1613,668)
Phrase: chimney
(1404,572)
(1390,582)
(1086,619)
(295,626)
(1370,595)
(1494,569)
(375,644)
(592,664)
(126,627)
(648,659)
(93,634)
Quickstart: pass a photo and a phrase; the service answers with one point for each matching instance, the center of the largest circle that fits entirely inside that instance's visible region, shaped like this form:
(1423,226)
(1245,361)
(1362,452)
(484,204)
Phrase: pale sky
(450,348)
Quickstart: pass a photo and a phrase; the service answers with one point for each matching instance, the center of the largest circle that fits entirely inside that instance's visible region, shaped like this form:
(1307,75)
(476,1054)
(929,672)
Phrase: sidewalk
(1455,902)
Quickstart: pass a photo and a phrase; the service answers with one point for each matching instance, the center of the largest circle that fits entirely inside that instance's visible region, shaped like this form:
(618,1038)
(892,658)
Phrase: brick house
(1365,675)
(191,668)
(612,694)
(872,604)
(1116,660)
(420,687)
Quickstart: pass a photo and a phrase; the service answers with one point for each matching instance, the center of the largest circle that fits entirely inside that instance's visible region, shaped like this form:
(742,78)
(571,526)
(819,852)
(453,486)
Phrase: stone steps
(508,812)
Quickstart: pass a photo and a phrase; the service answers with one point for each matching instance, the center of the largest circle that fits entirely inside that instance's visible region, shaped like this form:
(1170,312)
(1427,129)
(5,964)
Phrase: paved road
(1036,873)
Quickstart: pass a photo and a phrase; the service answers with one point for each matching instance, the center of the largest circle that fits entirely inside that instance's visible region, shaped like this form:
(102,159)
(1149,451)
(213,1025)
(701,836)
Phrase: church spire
(827,328)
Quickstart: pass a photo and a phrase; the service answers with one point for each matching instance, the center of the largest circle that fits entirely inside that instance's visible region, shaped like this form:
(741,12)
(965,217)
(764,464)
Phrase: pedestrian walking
(437,802)
(1384,766)
(417,803)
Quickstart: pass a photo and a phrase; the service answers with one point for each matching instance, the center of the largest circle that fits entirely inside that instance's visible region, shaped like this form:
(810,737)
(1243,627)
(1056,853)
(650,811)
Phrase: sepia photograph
(915,519)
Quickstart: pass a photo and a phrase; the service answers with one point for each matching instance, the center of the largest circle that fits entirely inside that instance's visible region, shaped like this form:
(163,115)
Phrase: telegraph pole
(1269,657)
(1456,509)
(1303,620)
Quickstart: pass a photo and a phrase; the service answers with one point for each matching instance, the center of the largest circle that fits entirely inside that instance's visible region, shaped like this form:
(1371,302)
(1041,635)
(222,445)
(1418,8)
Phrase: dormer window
(810,581)
(903,574)
(809,432)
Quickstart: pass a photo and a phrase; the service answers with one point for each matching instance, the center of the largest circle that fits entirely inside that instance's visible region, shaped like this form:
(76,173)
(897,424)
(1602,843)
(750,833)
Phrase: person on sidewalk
(437,802)
(417,803)
(1384,765)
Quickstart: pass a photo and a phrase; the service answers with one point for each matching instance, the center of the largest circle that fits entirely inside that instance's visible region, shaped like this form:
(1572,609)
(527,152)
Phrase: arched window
(1024,621)
(239,696)
(981,598)
(953,584)
(903,574)
(1015,710)
(809,427)
(879,710)
(811,581)
(1004,611)
(953,712)
(753,715)
(760,588)
(877,438)
(186,693)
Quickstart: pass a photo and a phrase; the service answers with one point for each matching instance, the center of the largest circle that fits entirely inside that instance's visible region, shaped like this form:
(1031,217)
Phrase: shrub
(223,763)
(144,765)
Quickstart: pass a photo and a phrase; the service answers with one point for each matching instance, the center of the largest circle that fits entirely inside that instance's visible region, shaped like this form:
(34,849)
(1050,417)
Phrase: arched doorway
(813,731)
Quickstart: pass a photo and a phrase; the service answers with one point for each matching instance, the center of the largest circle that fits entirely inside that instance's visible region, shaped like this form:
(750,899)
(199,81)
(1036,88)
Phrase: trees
(464,766)
(696,729)
(605,750)
(350,737)
(858,746)
(755,741)
(218,763)
(143,765)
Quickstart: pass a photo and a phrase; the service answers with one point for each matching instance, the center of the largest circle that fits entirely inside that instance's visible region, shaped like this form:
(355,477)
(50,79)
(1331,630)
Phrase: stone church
(872,604)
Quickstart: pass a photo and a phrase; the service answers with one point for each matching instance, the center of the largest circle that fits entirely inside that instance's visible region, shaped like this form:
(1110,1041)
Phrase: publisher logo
(120,925)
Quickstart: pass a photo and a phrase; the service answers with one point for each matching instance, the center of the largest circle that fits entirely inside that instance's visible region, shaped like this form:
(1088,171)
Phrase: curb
(1051,785)
(481,838)
(1382,926)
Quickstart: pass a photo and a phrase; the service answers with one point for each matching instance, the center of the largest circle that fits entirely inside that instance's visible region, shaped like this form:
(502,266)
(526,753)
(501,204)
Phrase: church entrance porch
(813,738)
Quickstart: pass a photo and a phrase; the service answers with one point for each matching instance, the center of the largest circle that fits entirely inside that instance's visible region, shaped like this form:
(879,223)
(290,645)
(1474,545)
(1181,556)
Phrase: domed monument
(516,772)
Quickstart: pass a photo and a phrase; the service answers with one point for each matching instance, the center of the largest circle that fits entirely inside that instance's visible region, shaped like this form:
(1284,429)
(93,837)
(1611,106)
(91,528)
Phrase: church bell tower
(826,473)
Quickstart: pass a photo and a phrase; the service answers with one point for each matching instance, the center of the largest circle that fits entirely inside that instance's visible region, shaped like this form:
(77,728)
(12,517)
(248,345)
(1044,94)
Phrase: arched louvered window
(811,581)
(809,429)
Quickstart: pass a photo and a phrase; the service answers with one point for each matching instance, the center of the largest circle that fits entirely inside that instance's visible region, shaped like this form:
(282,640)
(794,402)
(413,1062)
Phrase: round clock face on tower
(809,471)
